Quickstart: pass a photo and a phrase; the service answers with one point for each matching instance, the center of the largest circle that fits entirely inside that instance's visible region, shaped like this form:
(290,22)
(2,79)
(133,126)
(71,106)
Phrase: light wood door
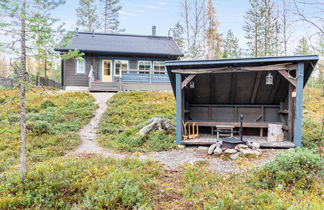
(106,70)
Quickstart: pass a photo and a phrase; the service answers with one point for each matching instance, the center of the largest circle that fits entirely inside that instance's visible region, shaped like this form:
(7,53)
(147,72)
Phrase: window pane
(159,67)
(80,66)
(120,65)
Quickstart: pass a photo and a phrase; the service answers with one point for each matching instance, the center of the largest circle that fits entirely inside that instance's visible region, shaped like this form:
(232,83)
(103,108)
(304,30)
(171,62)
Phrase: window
(144,67)
(159,67)
(120,66)
(80,66)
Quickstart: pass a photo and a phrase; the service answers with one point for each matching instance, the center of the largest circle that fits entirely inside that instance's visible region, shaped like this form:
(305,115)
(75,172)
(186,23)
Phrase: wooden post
(178,109)
(299,104)
(290,113)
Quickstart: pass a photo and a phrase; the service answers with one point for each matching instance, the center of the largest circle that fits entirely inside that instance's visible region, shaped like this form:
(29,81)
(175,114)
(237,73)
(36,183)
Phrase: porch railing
(149,76)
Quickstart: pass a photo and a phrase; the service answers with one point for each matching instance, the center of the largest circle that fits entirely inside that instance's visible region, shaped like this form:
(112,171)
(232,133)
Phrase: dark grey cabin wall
(73,79)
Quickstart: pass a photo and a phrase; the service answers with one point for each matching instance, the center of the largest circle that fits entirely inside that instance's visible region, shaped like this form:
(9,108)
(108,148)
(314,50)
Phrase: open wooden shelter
(215,93)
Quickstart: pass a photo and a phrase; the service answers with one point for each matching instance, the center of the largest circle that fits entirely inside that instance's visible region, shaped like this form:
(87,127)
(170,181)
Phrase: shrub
(46,104)
(295,169)
(40,127)
(312,133)
(90,183)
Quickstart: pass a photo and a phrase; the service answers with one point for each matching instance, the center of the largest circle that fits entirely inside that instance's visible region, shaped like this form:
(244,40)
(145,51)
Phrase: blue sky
(138,16)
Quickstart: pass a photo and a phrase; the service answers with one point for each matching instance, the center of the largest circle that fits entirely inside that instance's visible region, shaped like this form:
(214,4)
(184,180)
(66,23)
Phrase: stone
(249,152)
(181,146)
(220,143)
(218,151)
(241,146)
(202,148)
(253,145)
(211,149)
(235,156)
(230,151)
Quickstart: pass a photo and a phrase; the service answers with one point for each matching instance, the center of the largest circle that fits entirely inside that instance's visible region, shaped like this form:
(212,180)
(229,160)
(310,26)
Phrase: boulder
(181,146)
(235,156)
(241,146)
(212,148)
(218,151)
(230,151)
(202,148)
(253,145)
(249,152)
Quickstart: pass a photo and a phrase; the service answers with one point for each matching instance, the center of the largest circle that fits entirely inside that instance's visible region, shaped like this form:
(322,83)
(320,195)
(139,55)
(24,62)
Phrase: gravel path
(170,159)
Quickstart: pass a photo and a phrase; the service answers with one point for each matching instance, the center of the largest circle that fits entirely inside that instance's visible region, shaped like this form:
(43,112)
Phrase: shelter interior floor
(208,139)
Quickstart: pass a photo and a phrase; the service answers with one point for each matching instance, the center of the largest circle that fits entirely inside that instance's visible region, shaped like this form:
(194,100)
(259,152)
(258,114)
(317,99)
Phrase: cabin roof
(123,45)
(199,65)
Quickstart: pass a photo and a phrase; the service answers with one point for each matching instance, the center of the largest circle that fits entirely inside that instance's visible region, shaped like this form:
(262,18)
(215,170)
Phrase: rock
(212,148)
(241,146)
(230,151)
(235,156)
(220,143)
(249,152)
(202,148)
(218,151)
(253,145)
(181,146)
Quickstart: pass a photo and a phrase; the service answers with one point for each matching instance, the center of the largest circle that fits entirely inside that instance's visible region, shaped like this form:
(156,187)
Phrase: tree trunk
(23,162)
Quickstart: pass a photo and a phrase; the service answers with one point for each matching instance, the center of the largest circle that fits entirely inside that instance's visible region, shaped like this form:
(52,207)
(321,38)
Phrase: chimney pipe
(153,30)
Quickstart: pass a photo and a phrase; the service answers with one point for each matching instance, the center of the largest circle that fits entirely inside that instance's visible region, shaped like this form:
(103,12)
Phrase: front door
(106,70)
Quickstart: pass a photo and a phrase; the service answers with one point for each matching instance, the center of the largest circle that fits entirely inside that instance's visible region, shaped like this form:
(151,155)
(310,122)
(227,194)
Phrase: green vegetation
(85,183)
(251,190)
(128,112)
(53,120)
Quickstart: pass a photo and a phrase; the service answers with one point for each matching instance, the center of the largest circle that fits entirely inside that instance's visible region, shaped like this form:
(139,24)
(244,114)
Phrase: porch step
(104,86)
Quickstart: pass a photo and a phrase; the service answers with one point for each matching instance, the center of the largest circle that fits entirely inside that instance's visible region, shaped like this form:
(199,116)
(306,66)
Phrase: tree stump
(275,133)
(157,123)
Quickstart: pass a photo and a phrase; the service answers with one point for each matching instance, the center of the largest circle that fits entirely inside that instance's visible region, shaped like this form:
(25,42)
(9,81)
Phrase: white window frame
(159,71)
(138,64)
(120,70)
(77,63)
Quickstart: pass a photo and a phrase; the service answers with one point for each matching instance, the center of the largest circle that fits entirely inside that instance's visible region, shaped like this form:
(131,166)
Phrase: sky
(138,17)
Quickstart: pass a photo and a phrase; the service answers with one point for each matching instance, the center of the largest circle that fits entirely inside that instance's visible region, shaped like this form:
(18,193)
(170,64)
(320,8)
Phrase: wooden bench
(260,125)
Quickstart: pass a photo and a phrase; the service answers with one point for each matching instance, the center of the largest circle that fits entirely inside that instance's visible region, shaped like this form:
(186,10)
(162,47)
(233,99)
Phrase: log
(157,123)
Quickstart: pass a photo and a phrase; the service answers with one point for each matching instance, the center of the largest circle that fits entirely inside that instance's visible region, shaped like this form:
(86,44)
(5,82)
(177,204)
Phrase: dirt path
(170,159)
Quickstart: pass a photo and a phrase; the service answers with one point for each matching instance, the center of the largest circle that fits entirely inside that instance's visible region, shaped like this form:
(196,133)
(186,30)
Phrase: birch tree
(110,15)
(213,38)
(87,16)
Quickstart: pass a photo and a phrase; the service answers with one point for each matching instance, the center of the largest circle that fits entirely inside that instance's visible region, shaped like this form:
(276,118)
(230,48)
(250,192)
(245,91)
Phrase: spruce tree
(253,28)
(178,32)
(231,48)
(87,16)
(111,21)
(303,47)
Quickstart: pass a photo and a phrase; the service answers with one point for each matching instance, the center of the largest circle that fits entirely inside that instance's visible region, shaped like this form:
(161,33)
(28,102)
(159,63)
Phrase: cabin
(262,96)
(114,62)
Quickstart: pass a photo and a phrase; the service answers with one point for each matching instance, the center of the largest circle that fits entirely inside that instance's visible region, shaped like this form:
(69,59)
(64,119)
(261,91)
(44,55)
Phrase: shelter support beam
(178,109)
(255,87)
(187,80)
(290,79)
(299,104)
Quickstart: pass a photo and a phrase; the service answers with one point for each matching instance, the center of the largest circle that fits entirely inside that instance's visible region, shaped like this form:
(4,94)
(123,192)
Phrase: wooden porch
(209,139)
(128,86)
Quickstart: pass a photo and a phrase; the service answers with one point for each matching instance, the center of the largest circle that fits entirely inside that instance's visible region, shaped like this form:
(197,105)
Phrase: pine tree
(44,36)
(111,16)
(178,32)
(269,28)
(303,47)
(87,15)
(253,28)
(231,48)
(213,38)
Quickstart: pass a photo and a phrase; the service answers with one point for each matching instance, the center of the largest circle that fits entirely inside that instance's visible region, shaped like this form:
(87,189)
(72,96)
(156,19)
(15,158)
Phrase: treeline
(267,29)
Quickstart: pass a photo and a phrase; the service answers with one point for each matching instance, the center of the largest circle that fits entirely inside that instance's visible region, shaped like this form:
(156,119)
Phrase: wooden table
(224,130)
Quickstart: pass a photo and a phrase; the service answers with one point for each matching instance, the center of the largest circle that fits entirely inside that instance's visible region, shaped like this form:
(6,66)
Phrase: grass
(53,120)
(128,112)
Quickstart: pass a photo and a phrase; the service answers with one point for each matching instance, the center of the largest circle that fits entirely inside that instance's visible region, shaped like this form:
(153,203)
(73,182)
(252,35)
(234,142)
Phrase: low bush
(86,183)
(313,134)
(206,189)
(128,112)
(53,121)
(297,169)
